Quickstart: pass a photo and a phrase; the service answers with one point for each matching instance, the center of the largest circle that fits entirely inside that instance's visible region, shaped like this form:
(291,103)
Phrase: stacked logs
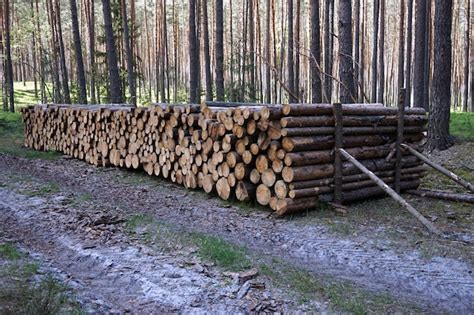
(279,155)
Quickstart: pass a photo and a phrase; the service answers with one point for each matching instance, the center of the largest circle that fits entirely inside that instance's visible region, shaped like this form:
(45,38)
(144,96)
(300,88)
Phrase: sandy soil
(111,270)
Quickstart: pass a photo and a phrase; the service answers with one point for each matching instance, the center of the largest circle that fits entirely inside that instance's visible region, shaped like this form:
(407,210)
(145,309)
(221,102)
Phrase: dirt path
(441,284)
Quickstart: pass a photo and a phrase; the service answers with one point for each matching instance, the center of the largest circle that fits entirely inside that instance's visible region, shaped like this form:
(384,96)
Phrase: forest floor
(113,240)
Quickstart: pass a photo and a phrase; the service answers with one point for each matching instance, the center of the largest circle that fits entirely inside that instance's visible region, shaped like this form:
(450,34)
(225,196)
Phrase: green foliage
(462,126)
(11,138)
(10,252)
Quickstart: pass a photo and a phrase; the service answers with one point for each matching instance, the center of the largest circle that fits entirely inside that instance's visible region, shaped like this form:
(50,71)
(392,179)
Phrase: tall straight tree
(116,95)
(419,76)
(291,45)
(401,47)
(8,61)
(346,69)
(375,50)
(62,54)
(438,128)
(381,61)
(356,60)
(193,55)
(129,54)
(328,48)
(251,25)
(315,54)
(207,55)
(466,56)
(268,54)
(91,45)
(219,10)
(409,50)
(81,77)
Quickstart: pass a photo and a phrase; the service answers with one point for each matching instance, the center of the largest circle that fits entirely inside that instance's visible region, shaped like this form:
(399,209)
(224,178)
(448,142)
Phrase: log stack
(279,155)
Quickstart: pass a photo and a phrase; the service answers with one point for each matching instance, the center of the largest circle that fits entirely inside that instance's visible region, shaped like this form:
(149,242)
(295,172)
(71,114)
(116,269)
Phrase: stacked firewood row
(278,155)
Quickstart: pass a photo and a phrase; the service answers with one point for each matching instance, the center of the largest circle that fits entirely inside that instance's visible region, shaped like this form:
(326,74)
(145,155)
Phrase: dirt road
(50,208)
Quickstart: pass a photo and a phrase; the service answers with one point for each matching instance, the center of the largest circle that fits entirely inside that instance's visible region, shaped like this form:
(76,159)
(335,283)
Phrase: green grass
(11,139)
(44,190)
(462,125)
(222,253)
(10,252)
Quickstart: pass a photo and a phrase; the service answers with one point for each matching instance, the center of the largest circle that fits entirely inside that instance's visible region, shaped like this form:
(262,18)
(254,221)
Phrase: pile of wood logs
(278,155)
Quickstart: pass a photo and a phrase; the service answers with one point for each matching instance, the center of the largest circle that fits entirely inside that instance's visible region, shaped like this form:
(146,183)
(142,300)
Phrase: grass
(44,190)
(24,289)
(462,126)
(11,139)
(343,296)
(10,252)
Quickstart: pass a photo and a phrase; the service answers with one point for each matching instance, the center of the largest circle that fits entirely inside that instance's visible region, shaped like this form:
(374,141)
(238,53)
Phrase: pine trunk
(346,70)
(81,77)
(315,54)
(438,129)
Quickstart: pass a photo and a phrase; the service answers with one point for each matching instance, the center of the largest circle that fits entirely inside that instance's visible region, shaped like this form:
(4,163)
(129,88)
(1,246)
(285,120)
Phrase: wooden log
(309,172)
(430,226)
(319,131)
(444,195)
(288,206)
(263,194)
(245,191)
(440,169)
(268,177)
(223,188)
(351,121)
(347,109)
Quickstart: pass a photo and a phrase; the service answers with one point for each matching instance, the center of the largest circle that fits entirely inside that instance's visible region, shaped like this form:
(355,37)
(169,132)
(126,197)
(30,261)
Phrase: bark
(466,57)
(220,50)
(290,60)
(81,77)
(381,56)
(346,70)
(8,61)
(401,48)
(207,56)
(129,54)
(438,130)
(116,95)
(268,88)
(328,49)
(420,55)
(356,60)
(251,25)
(193,55)
(316,91)
(92,70)
(62,53)
(375,50)
(409,49)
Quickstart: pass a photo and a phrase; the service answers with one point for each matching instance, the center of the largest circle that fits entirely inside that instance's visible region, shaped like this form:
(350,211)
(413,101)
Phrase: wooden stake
(430,226)
(439,168)
(398,158)
(337,108)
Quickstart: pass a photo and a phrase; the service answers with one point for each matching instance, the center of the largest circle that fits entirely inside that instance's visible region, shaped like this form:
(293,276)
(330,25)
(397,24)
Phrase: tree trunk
(346,70)
(328,48)
(381,56)
(81,77)
(251,25)
(8,62)
(420,55)
(220,50)
(409,50)
(438,129)
(315,54)
(375,50)
(92,70)
(291,45)
(466,57)
(193,55)
(296,55)
(268,87)
(357,47)
(116,95)
(207,56)
(129,54)
(62,53)
(401,48)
